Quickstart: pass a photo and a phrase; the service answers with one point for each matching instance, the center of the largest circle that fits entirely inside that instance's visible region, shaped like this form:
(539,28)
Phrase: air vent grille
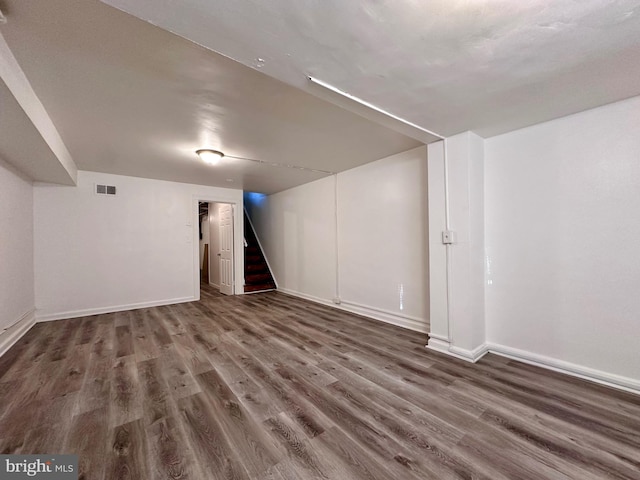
(105,189)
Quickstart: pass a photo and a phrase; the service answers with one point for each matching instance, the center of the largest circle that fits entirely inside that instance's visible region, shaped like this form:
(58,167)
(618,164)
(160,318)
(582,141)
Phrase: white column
(438,309)
(456,271)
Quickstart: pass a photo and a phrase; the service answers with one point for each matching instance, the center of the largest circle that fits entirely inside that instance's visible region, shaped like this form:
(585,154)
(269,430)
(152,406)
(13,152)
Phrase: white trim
(15,332)
(404,321)
(586,373)
(440,344)
(264,255)
(305,296)
(439,337)
(619,382)
(470,355)
(116,308)
(214,285)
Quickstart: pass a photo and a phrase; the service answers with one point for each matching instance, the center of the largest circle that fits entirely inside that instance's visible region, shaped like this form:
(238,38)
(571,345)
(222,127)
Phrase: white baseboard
(598,376)
(438,345)
(404,321)
(470,355)
(305,296)
(442,345)
(15,332)
(117,308)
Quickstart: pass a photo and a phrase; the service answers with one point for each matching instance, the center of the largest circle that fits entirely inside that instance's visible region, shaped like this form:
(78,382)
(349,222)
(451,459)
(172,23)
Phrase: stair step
(259,287)
(256,268)
(254,278)
(249,259)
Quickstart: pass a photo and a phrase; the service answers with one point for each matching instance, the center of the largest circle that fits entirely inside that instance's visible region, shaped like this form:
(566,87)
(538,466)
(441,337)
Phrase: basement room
(198,201)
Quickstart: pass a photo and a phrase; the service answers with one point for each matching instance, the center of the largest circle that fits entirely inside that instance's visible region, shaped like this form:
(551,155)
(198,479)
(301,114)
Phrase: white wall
(563,239)
(16,247)
(382,238)
(98,253)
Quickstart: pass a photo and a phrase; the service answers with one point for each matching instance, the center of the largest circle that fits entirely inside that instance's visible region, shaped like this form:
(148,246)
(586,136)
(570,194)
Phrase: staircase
(257,276)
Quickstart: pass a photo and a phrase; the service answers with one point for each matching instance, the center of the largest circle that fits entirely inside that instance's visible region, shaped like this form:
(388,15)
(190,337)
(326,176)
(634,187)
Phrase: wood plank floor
(268,386)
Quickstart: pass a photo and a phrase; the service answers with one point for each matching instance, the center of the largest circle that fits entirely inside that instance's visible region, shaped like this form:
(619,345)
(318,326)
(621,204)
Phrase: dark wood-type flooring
(268,386)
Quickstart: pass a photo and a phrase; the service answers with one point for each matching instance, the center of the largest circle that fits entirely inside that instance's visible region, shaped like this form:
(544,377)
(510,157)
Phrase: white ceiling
(133,99)
(490,66)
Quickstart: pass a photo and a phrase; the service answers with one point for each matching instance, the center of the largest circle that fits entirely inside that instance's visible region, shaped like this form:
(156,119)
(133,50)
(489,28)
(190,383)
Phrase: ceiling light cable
(282,165)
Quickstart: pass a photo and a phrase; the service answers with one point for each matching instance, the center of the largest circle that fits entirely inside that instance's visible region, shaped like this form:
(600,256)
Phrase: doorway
(219,237)
(221,247)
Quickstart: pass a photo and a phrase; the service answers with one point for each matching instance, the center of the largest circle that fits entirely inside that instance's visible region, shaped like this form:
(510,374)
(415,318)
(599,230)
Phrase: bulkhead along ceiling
(136,89)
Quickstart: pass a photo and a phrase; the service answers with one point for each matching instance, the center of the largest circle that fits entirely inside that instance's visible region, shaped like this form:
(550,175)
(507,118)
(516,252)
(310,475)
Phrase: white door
(226,248)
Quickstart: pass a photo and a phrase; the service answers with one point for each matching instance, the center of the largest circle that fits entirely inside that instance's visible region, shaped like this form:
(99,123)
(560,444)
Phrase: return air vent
(105,190)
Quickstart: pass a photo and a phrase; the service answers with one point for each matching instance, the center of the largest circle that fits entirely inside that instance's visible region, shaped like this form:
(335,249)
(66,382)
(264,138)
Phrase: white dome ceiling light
(210,157)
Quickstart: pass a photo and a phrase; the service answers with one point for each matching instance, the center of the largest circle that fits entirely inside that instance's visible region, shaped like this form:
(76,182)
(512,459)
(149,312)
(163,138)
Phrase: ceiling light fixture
(210,157)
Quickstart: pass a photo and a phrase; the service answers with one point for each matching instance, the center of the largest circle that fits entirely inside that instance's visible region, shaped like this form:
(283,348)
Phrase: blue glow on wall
(255,198)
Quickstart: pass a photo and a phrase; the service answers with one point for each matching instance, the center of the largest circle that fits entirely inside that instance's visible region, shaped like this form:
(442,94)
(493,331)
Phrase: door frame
(238,240)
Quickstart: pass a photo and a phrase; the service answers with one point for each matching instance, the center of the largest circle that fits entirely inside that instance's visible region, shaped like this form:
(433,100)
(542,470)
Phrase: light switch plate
(448,237)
